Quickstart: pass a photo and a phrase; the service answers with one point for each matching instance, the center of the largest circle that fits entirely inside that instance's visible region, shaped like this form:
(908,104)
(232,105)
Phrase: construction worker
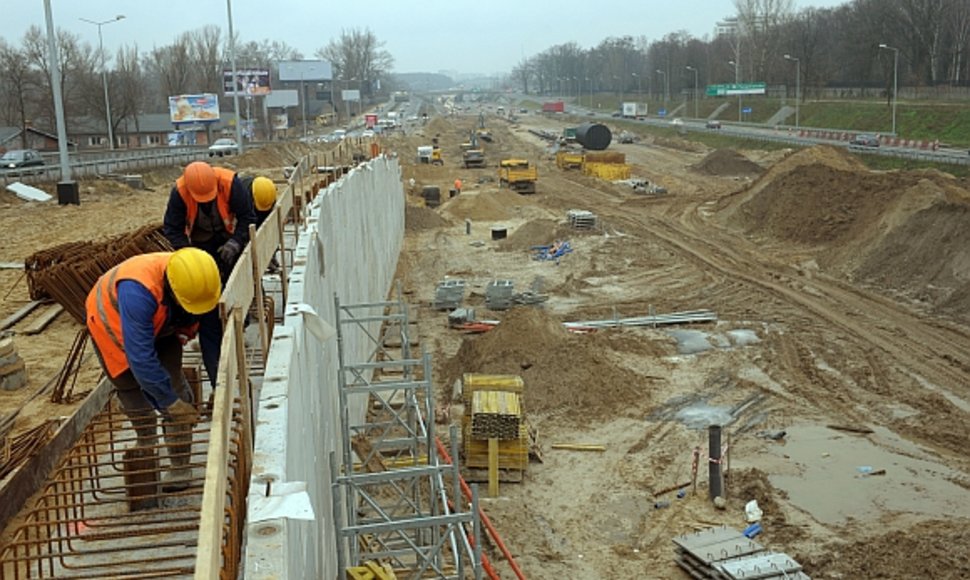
(209,208)
(264,196)
(458,185)
(139,314)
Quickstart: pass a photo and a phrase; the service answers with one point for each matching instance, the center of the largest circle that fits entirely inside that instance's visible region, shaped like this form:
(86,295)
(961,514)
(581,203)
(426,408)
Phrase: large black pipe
(594,136)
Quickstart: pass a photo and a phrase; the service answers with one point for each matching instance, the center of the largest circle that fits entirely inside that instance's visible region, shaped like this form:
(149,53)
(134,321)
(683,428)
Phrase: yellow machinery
(569,159)
(472,154)
(518,175)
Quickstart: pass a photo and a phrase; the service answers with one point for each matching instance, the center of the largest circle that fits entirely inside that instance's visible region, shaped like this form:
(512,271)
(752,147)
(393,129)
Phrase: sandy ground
(841,296)
(837,303)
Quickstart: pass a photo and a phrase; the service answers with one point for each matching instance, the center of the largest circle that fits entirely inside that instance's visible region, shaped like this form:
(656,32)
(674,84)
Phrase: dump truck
(518,175)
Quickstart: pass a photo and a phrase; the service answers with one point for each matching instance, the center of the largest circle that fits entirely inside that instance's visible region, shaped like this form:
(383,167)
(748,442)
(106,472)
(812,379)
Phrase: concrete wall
(350,248)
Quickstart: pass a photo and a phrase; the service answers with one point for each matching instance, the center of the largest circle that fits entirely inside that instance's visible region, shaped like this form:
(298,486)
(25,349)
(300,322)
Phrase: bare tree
(357,54)
(17,82)
(760,25)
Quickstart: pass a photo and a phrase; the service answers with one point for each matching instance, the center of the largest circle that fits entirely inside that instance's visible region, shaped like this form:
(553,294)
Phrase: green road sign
(736,89)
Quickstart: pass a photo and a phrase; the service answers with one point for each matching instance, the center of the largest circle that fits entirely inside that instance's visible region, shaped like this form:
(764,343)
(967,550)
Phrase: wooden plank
(31,475)
(238,292)
(38,326)
(208,556)
(572,447)
(493,467)
(19,314)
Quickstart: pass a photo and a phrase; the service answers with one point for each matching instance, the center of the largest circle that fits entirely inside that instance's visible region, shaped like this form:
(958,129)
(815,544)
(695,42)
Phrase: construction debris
(28,193)
(723,553)
(13,372)
(553,252)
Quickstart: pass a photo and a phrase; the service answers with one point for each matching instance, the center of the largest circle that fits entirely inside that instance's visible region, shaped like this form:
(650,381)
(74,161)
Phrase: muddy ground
(841,297)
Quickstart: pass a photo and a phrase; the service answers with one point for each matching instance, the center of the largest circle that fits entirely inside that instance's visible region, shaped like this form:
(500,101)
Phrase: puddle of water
(822,476)
(702,415)
(743,337)
(690,341)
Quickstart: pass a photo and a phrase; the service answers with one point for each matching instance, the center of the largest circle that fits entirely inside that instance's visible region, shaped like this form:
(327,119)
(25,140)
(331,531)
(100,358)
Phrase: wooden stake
(493,467)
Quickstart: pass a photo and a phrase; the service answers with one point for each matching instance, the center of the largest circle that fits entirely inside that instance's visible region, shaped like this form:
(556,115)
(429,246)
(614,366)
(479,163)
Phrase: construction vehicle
(518,175)
(430,154)
(472,154)
(483,133)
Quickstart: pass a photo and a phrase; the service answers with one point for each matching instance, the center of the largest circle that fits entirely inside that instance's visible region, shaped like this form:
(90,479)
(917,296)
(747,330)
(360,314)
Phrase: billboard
(282,99)
(281,122)
(249,82)
(305,70)
(193,108)
(350,95)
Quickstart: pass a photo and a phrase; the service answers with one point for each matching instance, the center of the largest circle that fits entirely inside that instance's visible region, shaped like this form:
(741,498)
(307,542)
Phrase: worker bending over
(139,315)
(264,196)
(209,208)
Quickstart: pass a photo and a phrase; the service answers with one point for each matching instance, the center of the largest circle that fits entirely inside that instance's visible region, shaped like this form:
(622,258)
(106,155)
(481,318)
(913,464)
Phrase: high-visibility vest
(223,191)
(103,316)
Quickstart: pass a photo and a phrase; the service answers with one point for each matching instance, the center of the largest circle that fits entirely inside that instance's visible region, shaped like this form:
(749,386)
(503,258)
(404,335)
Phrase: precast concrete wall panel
(350,249)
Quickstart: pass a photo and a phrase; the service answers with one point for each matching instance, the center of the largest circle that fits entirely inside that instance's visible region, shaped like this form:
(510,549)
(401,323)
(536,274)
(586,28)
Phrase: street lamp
(690,68)
(639,92)
(895,79)
(104,74)
(665,87)
(798,81)
(590,85)
(737,81)
(235,91)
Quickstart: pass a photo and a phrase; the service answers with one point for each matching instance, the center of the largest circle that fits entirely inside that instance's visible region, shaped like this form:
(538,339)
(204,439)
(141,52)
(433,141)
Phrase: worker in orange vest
(139,314)
(458,185)
(211,209)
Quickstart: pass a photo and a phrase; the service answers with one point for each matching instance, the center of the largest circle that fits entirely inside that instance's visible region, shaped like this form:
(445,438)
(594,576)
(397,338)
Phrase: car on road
(367,133)
(865,140)
(223,147)
(712,124)
(677,121)
(19,159)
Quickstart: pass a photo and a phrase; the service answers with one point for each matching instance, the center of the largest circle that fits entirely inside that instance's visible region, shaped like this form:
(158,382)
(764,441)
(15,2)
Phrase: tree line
(140,81)
(829,47)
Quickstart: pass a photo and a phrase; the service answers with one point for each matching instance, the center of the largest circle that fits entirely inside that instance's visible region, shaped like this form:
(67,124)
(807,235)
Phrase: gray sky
(458,35)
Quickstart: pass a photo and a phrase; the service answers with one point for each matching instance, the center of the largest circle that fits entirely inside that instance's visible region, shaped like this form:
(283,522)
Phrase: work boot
(178,439)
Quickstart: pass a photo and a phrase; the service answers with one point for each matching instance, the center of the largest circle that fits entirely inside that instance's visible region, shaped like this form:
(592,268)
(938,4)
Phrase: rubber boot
(178,438)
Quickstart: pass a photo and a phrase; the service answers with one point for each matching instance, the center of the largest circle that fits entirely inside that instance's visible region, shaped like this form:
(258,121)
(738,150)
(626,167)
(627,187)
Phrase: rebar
(82,524)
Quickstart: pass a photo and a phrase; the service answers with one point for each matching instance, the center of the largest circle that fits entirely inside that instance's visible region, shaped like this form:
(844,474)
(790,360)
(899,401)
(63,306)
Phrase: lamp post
(737,81)
(639,92)
(895,79)
(104,74)
(690,68)
(235,91)
(665,88)
(798,86)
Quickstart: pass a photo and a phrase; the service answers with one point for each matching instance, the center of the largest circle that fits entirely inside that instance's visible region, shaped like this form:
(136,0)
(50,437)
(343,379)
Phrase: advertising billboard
(736,89)
(305,70)
(193,108)
(282,99)
(249,82)
(281,122)
(350,95)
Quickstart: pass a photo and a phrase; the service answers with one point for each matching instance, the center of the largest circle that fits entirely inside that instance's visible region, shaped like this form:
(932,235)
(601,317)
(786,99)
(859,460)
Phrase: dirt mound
(820,204)
(562,371)
(929,551)
(422,218)
(480,206)
(533,233)
(727,162)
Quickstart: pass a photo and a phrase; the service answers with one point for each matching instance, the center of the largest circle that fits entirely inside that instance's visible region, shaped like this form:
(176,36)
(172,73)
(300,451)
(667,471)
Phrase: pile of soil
(563,372)
(534,233)
(482,206)
(418,218)
(727,162)
(931,550)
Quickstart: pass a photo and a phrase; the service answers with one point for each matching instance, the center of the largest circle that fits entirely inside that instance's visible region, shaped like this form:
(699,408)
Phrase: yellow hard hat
(264,193)
(194,278)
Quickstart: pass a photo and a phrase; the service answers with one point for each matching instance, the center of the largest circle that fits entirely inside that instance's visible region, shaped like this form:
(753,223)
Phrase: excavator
(472,153)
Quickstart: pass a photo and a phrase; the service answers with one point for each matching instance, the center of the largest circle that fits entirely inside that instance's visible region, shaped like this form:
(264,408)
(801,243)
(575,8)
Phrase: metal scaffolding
(391,498)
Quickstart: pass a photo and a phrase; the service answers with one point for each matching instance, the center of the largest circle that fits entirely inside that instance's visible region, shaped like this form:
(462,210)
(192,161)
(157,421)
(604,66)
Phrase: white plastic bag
(752,511)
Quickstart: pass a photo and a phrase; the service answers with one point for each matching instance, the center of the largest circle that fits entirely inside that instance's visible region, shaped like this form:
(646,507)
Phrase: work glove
(229,252)
(182,412)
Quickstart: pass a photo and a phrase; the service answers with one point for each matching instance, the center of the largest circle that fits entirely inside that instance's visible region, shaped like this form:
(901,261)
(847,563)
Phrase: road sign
(746,110)
(736,89)
(662,112)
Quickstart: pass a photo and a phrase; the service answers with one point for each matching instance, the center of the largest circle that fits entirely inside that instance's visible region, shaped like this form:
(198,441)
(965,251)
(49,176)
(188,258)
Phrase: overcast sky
(423,36)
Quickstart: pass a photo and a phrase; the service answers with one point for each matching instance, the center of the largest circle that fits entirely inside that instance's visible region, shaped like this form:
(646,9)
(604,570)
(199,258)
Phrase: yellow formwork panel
(496,403)
(371,571)
(569,160)
(607,171)
(476,381)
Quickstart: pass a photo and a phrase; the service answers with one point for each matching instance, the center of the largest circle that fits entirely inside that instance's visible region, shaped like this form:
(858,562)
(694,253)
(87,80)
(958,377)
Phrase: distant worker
(209,208)
(139,314)
(458,185)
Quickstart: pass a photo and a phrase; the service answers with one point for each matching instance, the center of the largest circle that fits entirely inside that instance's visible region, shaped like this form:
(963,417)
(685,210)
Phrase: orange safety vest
(223,191)
(458,184)
(103,317)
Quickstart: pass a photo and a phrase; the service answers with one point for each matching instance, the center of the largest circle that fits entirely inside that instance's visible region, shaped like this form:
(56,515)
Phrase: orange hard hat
(200,179)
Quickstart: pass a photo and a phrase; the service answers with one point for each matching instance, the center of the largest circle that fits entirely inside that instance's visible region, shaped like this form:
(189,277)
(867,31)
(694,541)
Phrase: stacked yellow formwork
(496,395)
(611,166)
(569,160)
